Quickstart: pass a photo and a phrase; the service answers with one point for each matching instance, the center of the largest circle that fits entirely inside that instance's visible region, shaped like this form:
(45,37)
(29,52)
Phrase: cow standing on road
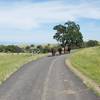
(60,50)
(69,49)
(53,51)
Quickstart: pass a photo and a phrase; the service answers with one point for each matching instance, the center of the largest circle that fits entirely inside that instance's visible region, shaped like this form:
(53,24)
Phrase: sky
(32,21)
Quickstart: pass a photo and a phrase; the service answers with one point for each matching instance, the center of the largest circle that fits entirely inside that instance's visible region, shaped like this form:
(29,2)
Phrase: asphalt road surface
(45,79)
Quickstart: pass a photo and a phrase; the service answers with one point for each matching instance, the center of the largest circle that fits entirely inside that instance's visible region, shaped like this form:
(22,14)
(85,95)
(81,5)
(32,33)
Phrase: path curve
(45,79)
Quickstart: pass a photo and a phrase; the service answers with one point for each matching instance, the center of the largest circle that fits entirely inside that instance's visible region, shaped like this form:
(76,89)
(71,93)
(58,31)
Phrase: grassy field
(9,63)
(88,62)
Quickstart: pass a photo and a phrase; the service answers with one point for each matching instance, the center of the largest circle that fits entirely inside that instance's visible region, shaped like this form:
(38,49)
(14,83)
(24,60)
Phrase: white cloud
(27,16)
(22,37)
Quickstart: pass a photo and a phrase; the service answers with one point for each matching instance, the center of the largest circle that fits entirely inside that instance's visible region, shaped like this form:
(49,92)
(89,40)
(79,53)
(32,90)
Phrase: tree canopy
(68,34)
(92,43)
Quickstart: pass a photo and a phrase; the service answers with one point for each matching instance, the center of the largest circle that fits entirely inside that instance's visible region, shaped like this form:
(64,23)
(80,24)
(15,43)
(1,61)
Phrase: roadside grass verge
(9,63)
(87,61)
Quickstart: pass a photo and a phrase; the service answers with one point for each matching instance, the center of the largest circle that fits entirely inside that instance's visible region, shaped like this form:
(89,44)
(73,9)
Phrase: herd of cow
(60,50)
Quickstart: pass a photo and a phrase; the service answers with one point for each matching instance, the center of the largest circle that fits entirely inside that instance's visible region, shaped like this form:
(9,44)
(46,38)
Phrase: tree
(40,47)
(59,36)
(92,43)
(27,49)
(2,48)
(68,34)
(13,49)
(32,45)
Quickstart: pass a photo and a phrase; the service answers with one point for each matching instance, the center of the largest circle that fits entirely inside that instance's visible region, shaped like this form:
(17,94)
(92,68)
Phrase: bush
(92,43)
(10,48)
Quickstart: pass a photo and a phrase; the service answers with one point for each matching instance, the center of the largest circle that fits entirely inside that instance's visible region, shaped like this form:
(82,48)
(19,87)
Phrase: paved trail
(45,79)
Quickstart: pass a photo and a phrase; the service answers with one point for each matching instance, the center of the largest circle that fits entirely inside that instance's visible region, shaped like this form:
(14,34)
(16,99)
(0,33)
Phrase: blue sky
(32,21)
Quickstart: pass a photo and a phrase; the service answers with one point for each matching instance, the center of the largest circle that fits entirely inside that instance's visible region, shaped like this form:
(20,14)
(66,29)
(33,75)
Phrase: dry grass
(9,63)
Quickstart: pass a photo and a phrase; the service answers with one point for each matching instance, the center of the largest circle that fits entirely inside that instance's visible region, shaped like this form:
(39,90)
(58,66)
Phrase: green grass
(88,62)
(9,63)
